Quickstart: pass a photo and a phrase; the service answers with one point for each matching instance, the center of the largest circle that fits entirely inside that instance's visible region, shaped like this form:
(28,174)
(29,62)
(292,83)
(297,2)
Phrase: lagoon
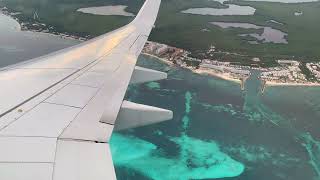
(118,10)
(269,35)
(231,10)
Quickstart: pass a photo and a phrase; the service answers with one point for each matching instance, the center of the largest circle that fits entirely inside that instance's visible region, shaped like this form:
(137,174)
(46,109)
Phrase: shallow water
(119,10)
(242,135)
(17,45)
(236,25)
(269,35)
(231,10)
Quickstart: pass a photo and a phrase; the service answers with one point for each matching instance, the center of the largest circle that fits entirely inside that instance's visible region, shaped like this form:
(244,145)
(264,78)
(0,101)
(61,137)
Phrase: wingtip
(147,14)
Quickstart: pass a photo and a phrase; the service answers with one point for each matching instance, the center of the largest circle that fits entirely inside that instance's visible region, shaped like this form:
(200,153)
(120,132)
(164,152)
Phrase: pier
(263,86)
(243,81)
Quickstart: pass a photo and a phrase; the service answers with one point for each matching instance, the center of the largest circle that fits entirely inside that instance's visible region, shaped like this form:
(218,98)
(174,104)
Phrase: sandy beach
(225,76)
(160,59)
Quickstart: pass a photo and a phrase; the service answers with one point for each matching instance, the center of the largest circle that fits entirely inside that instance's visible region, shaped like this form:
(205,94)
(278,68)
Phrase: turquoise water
(196,158)
(220,132)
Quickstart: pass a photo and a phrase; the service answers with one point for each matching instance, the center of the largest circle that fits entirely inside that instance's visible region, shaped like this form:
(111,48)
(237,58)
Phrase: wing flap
(27,150)
(79,160)
(26,171)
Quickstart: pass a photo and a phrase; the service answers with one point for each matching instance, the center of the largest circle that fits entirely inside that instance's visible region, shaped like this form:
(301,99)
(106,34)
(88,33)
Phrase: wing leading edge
(57,112)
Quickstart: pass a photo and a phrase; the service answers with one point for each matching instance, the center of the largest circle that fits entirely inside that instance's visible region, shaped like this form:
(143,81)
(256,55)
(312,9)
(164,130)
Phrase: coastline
(160,59)
(202,71)
(198,71)
(227,77)
(275,84)
(40,27)
(224,76)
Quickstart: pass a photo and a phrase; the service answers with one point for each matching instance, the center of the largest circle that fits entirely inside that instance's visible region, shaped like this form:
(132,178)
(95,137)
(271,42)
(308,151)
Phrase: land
(169,55)
(290,73)
(27,24)
(181,57)
(196,34)
(192,41)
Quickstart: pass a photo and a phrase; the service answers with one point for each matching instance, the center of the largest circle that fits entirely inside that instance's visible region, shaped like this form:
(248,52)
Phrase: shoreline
(227,77)
(218,75)
(276,84)
(160,59)
(41,28)
(201,71)
(197,71)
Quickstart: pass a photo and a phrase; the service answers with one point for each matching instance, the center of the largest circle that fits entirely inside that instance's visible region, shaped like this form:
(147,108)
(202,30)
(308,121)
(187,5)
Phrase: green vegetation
(63,16)
(184,30)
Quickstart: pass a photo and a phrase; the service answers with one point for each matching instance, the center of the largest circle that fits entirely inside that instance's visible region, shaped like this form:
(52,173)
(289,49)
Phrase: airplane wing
(57,112)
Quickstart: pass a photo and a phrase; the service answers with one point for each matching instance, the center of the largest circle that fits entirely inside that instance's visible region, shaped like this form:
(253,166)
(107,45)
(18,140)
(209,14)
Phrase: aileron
(75,161)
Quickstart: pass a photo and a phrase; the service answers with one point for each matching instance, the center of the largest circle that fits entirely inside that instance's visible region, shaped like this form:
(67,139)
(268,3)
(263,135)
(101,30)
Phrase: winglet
(146,17)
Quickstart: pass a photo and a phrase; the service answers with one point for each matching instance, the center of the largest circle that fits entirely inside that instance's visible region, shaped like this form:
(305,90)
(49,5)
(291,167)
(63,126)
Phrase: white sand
(160,59)
(225,76)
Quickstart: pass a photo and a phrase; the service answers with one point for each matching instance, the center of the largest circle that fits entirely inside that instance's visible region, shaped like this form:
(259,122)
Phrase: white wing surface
(57,112)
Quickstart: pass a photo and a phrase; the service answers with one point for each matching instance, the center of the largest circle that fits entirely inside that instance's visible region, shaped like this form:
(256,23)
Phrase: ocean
(221,132)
